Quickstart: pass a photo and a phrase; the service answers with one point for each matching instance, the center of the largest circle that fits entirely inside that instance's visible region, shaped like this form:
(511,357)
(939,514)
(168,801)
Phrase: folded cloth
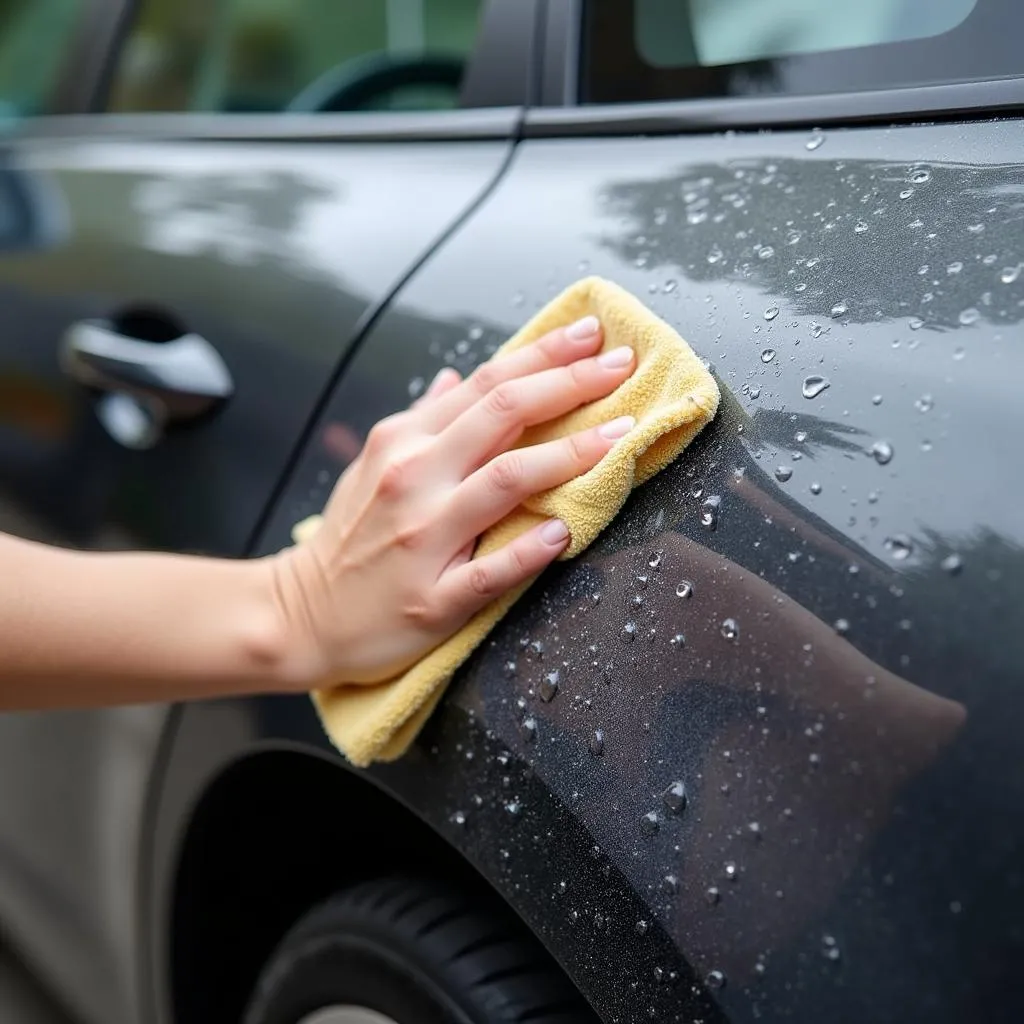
(672,396)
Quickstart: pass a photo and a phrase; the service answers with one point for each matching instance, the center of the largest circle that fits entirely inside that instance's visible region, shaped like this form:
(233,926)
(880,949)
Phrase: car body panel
(839,695)
(277,252)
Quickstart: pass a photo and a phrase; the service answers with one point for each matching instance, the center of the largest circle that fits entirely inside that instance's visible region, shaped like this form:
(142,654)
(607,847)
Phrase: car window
(237,56)
(710,32)
(35,36)
(636,50)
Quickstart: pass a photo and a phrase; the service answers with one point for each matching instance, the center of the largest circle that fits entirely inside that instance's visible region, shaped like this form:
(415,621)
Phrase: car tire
(412,951)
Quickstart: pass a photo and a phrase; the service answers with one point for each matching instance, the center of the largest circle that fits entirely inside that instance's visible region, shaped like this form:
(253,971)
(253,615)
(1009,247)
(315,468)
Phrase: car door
(193,239)
(776,780)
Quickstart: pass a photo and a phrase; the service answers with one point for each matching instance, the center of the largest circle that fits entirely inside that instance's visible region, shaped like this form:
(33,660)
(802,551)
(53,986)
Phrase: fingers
(498,419)
(466,589)
(497,488)
(445,380)
(558,348)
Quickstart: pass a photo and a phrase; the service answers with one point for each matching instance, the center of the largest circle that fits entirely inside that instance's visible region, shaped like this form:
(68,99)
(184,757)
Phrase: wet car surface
(765,692)
(752,756)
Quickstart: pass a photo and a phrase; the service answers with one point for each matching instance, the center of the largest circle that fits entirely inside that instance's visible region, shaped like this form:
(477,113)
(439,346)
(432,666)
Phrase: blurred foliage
(257,55)
(35,36)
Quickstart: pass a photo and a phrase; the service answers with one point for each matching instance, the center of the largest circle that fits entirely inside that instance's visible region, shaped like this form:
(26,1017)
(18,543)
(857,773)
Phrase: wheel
(412,951)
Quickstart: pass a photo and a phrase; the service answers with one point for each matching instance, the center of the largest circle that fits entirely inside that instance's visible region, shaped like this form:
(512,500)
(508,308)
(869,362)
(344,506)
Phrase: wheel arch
(273,833)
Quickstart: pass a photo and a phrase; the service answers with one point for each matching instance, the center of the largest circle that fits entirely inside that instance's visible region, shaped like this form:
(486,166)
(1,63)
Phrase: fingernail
(617,358)
(617,428)
(554,531)
(583,329)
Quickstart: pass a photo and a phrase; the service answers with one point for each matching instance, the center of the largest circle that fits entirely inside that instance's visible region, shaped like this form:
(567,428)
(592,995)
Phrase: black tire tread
(500,975)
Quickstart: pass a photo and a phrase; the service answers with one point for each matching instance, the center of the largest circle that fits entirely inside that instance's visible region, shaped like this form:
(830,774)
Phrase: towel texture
(672,396)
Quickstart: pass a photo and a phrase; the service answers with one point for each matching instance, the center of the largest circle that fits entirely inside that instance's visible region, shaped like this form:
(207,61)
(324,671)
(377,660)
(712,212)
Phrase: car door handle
(149,384)
(185,376)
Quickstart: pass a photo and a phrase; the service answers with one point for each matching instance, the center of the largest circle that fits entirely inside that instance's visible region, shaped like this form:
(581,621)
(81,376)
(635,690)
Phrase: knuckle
(580,373)
(411,536)
(518,562)
(579,449)
(503,400)
(424,614)
(552,343)
(486,377)
(383,434)
(396,477)
(481,580)
(506,473)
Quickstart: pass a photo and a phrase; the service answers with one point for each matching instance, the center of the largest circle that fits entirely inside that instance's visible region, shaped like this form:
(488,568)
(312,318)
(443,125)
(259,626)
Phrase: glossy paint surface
(776,779)
(273,252)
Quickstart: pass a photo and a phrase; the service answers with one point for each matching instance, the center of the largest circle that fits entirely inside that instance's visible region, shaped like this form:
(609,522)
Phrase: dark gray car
(754,755)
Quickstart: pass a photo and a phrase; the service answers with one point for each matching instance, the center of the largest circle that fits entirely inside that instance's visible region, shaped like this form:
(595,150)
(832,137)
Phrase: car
(754,755)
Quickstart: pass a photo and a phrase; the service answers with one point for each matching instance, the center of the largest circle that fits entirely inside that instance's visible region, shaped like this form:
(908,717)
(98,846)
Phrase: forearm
(80,629)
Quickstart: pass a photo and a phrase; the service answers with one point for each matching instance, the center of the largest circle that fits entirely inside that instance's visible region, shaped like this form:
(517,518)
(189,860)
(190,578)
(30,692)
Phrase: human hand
(388,575)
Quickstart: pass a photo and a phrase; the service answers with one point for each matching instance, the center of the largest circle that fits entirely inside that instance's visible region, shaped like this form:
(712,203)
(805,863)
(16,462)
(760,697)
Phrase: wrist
(286,644)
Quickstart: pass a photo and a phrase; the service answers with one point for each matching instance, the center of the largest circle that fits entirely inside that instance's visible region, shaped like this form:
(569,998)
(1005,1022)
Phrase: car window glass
(34,40)
(641,50)
(238,56)
(713,32)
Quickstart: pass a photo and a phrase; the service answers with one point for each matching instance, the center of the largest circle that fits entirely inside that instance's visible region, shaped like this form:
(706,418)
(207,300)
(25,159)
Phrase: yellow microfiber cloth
(671,395)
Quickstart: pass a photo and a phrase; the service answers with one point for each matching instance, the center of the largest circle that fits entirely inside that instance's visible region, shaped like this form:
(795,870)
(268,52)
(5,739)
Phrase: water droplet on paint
(548,688)
(783,473)
(771,312)
(709,512)
(952,564)
(900,546)
(814,385)
(882,452)
(674,797)
(815,141)
(730,629)
(685,589)
(767,355)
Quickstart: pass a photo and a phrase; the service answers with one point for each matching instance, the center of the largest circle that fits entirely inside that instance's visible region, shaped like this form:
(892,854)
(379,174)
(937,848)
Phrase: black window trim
(503,82)
(559,113)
